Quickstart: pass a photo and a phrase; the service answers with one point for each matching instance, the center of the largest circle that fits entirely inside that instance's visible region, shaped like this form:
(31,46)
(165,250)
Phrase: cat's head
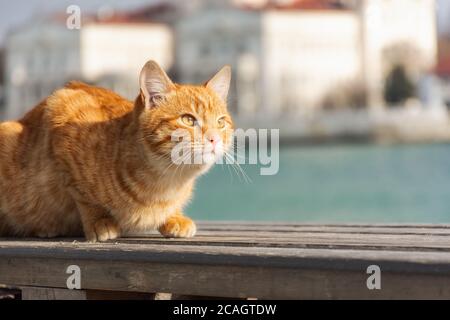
(186,125)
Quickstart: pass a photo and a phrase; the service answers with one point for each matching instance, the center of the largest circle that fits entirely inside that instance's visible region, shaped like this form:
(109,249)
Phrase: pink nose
(214,139)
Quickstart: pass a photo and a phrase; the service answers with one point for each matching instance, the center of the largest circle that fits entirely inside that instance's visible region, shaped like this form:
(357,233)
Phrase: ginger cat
(85,160)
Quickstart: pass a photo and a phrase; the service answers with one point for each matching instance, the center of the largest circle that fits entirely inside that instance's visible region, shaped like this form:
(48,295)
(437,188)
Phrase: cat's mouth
(198,155)
(206,157)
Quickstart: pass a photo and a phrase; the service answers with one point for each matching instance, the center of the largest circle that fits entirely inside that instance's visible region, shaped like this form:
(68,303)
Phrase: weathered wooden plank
(342,259)
(408,241)
(45,293)
(323,232)
(428,243)
(41,293)
(350,230)
(262,224)
(234,281)
(380,229)
(292,262)
(399,244)
(287,235)
(298,240)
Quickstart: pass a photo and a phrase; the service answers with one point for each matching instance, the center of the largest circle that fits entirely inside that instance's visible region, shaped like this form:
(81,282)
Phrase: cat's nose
(214,139)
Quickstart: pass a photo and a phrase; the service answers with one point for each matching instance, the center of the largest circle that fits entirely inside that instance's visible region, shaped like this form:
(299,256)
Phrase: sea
(332,184)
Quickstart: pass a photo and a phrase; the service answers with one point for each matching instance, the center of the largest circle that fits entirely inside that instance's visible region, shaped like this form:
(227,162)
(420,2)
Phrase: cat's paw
(103,230)
(178,226)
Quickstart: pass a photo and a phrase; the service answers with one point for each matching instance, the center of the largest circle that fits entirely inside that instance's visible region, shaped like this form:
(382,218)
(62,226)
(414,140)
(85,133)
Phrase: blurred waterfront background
(360,90)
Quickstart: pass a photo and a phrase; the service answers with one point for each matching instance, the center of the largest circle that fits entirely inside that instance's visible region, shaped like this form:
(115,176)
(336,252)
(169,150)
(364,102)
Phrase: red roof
(163,12)
(301,5)
(151,13)
(443,67)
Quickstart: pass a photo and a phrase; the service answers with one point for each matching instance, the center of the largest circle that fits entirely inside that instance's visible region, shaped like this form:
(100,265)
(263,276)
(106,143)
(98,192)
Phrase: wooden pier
(238,260)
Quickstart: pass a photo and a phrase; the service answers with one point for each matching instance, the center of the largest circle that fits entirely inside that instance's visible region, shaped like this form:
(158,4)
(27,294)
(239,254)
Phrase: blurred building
(163,11)
(2,81)
(400,32)
(45,54)
(219,34)
(443,70)
(443,16)
(289,56)
(284,58)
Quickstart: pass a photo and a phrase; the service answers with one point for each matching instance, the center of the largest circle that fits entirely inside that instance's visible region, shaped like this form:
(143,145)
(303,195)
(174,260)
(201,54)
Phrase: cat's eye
(189,120)
(221,123)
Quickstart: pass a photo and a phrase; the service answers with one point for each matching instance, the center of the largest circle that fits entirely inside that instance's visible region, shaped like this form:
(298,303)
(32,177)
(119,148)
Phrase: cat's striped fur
(87,160)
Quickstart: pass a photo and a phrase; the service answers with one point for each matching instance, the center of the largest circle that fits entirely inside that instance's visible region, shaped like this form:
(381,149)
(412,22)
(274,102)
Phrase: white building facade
(43,56)
(306,55)
(393,32)
(286,61)
(216,36)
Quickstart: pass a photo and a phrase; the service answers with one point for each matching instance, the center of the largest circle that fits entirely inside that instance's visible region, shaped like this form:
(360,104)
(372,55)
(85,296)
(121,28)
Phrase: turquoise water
(356,183)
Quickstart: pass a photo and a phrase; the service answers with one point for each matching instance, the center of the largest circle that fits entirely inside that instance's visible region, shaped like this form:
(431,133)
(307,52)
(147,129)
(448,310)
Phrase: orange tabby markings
(87,161)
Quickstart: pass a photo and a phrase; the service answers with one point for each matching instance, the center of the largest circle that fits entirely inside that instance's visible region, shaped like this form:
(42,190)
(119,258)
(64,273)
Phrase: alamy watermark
(374,280)
(74,280)
(73,21)
(251,146)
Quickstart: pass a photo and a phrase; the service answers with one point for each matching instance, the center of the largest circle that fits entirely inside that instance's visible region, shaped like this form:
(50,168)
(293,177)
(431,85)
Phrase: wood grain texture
(43,293)
(283,261)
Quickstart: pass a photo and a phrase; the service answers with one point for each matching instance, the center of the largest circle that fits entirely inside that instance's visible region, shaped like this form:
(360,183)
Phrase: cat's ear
(220,83)
(154,83)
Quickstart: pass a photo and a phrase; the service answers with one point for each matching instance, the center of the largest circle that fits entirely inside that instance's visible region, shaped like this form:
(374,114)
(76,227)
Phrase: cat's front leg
(98,224)
(178,226)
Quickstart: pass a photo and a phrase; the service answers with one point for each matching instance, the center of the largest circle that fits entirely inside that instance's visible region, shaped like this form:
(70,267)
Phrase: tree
(398,87)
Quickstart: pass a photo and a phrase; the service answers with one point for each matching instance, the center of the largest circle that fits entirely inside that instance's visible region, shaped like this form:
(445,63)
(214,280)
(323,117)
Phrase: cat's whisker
(170,165)
(235,154)
(235,151)
(231,174)
(232,166)
(239,168)
(234,169)
(179,167)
